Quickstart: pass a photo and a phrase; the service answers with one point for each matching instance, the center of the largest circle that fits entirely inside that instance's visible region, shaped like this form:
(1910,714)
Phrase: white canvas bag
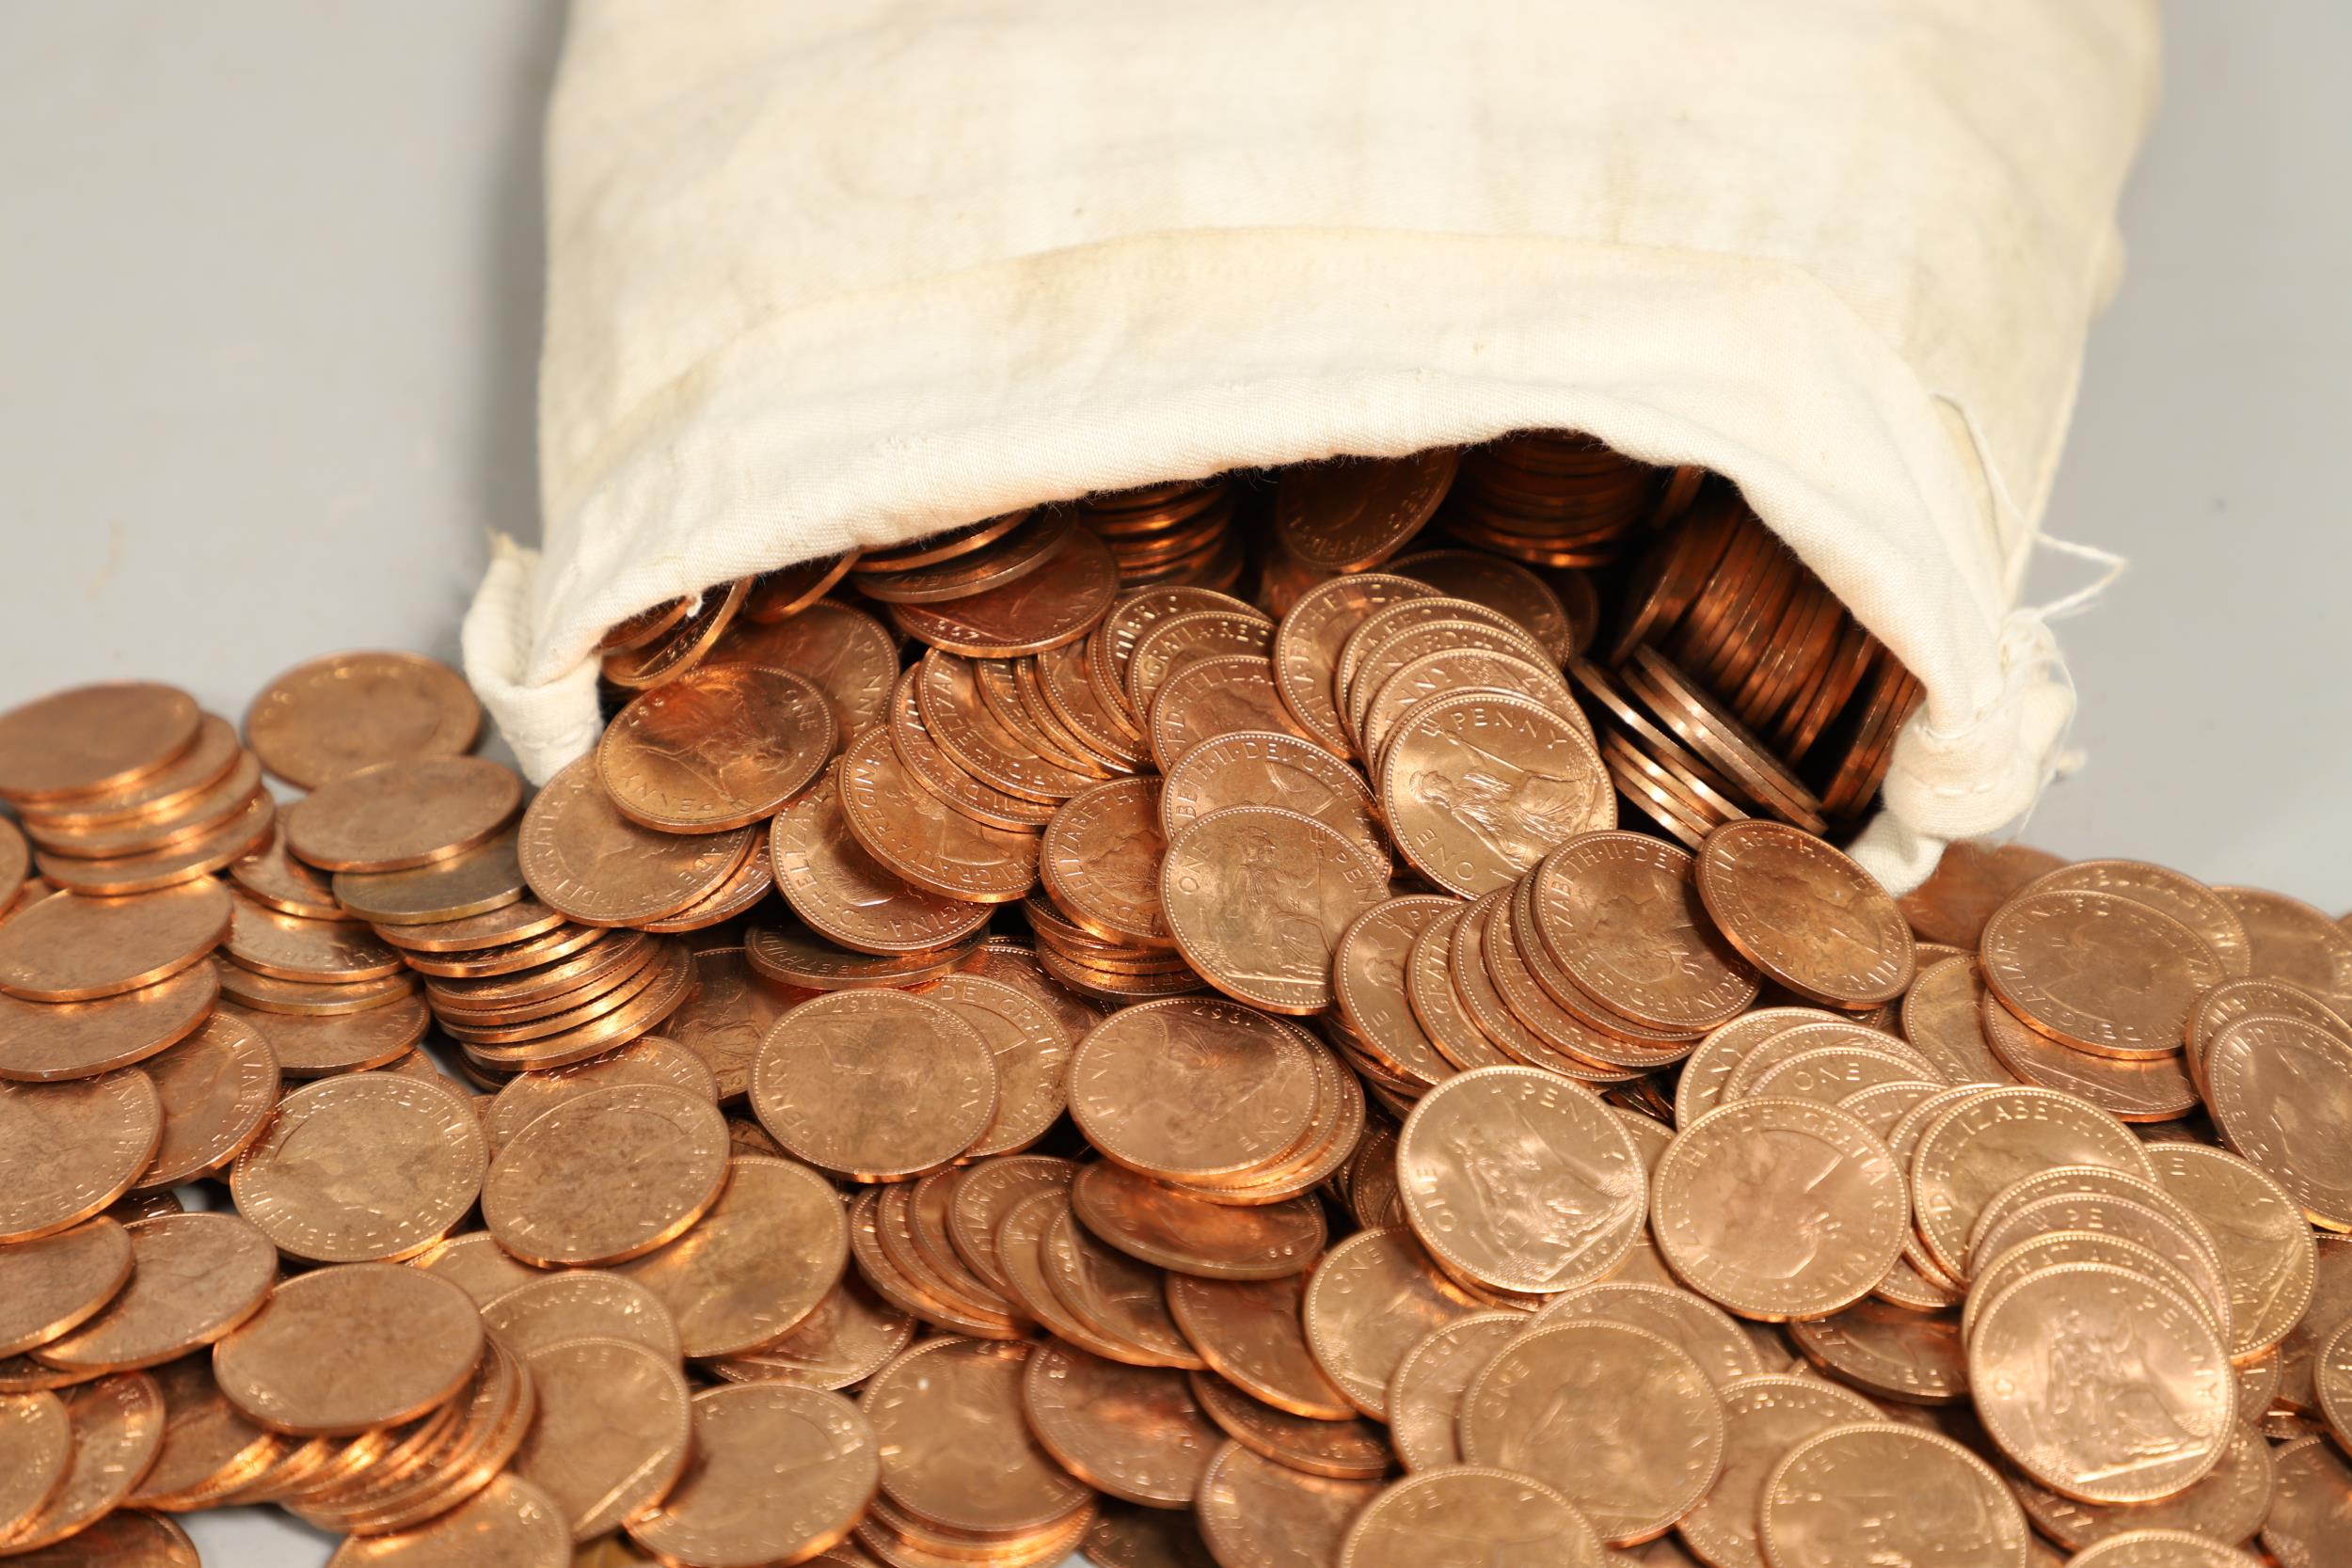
(826,273)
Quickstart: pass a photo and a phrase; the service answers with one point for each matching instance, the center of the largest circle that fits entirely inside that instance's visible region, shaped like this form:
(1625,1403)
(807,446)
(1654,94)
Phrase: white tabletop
(268,316)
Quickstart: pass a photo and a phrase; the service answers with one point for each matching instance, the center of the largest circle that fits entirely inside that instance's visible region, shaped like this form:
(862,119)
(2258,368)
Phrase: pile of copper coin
(1140,1028)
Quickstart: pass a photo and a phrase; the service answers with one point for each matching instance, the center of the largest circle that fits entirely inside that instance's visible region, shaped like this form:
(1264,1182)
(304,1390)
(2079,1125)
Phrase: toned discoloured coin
(874,1085)
(1191,1089)
(2280,1091)
(50,1285)
(1885,1492)
(1624,1423)
(755,1264)
(69,1150)
(1253,1334)
(847,898)
(2042,1356)
(1804,915)
(1891,1352)
(1521,1179)
(1133,1432)
(1307,645)
(1467,1516)
(1764,1417)
(194,1278)
(1479,786)
(508,1524)
(1984,1143)
(350,1349)
(93,738)
(1622,915)
(398,814)
(844,653)
(1258,1512)
(1371,1299)
(850,1335)
(44,1042)
(1208,698)
(921,838)
(580,1303)
(368,1165)
(611,1435)
(955,1447)
(2290,941)
(340,715)
(1101,863)
(1186,1234)
(608,1175)
(1269,769)
(2102,972)
(1258,897)
(2265,1249)
(117,1426)
(1351,513)
(585,859)
(71,948)
(1425,1397)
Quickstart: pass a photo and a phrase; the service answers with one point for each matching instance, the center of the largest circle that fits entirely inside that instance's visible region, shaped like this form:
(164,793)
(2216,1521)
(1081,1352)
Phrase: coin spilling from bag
(1204,1025)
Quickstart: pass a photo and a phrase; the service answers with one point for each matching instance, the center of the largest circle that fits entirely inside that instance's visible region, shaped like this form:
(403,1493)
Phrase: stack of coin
(1555,498)
(1184,533)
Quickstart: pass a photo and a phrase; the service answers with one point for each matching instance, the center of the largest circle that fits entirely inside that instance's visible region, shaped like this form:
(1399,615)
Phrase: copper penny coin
(1764,1417)
(923,840)
(606,1175)
(1521,1179)
(1982,1144)
(477,1265)
(269,993)
(987,1191)
(2132,1088)
(194,1278)
(950,711)
(1206,698)
(1259,1513)
(649,1059)
(727,1016)
(2159,1548)
(943,776)
(1504,587)
(1059,602)
(721,746)
(1371,978)
(1942,1020)
(1258,897)
(214,755)
(350,1349)
(746,888)
(362,1166)
(1804,913)
(1623,1422)
(1466,1516)
(1425,1392)
(1178,641)
(293,947)
(848,897)
(486,877)
(1369,1300)
(1621,913)
(850,1335)
(1252,1333)
(1819,1507)
(1133,1432)
(144,832)
(844,652)
(755,1264)
(1708,1335)
(2290,941)
(611,1433)
(1350,1450)
(1272,770)
(1065,682)
(312,1047)
(2230,1504)
(44,1041)
(2234,999)
(956,1447)
(580,1303)
(2265,1248)
(115,1426)
(2310,1521)
(1460,670)
(674,652)
(1031,1050)
(93,738)
(1112,647)
(1971,882)
(508,1524)
(1186,1234)
(51,1286)
(1101,860)
(182,860)
(340,715)
(2277,1085)
(585,859)
(1119,1300)
(874,1085)
(71,948)
(1890,1352)
(283,882)
(2186,900)
(208,1449)
(398,814)
(2099,971)
(1352,514)
(1307,645)
(1126,1536)
(1189,1090)
(69,1150)
(2034,1358)
(1478,787)
(635,631)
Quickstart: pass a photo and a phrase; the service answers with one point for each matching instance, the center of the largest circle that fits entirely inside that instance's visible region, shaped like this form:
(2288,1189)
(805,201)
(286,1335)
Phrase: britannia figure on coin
(2113,1401)
(1541,1216)
(1518,813)
(1275,929)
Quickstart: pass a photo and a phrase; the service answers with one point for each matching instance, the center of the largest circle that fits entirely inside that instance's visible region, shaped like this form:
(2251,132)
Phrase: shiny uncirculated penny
(1207,698)
(1351,513)
(1170,645)
(2309,1524)
(93,738)
(488,876)
(1258,897)
(1186,1234)
(921,838)
(1764,1417)
(508,1524)
(1133,1432)
(349,1349)
(1780,1208)
(1478,787)
(1119,1299)
(2100,972)
(1425,1392)
(844,652)
(44,1041)
(2265,1248)
(1252,1333)
(1307,645)
(1804,913)
(1710,1336)
(1192,1089)
(956,1447)
(585,859)
(293,947)
(194,1278)
(1892,1352)
(607,1176)
(611,1433)
(851,1335)
(475,1263)
(1521,1179)
(1127,1536)
(848,897)
(36,1447)
(1879,1491)
(1054,604)
(580,1303)
(339,715)
(49,1286)
(2159,1548)
(755,1264)
(71,948)
(69,1150)
(875,1085)
(647,1059)
(313,1046)
(1507,588)
(367,1166)
(2131,1088)
(117,1425)
(1272,770)
(721,746)
(1031,1050)
(1372,981)
(398,814)
(950,712)
(1622,914)
(2279,1088)
(1100,861)
(1259,1512)
(1980,1144)
(217,1088)
(1624,1423)
(2230,1504)
(283,882)
(2186,900)
(208,1449)
(1371,1299)
(1349,1449)
(1942,1020)
(2290,941)
(1467,1517)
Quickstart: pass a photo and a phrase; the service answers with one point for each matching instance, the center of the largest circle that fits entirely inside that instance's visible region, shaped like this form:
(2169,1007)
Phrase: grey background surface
(269,308)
